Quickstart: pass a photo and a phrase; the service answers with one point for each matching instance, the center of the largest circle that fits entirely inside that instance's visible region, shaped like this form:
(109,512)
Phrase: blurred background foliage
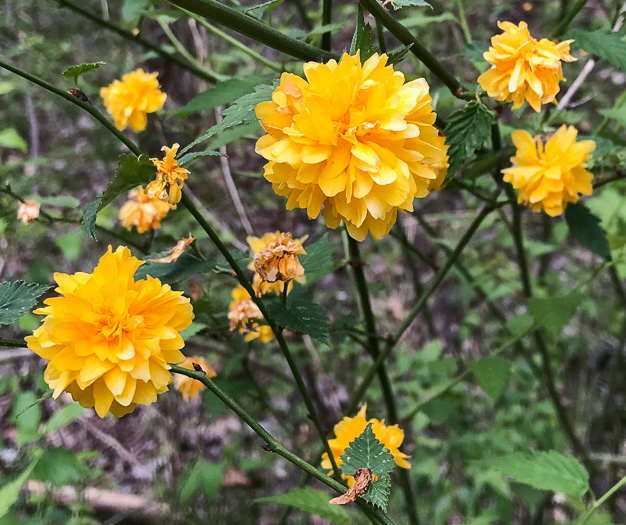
(196,462)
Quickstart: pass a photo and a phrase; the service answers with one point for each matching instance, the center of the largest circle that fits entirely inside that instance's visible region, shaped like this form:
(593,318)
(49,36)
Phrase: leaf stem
(274,445)
(605,497)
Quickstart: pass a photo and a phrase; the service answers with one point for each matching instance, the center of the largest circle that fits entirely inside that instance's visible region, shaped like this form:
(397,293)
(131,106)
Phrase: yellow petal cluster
(278,260)
(439,164)
(130,99)
(109,338)
(256,245)
(27,211)
(351,138)
(349,428)
(170,177)
(187,386)
(143,212)
(550,176)
(244,315)
(523,68)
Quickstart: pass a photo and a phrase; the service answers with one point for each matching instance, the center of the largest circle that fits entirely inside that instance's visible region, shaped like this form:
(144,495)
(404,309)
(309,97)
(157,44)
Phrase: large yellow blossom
(549,177)
(130,99)
(523,68)
(349,428)
(244,315)
(188,386)
(143,212)
(440,164)
(256,245)
(109,338)
(352,139)
(170,177)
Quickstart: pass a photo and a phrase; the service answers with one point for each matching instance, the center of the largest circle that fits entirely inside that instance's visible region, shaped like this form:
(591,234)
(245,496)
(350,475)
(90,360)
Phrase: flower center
(114,324)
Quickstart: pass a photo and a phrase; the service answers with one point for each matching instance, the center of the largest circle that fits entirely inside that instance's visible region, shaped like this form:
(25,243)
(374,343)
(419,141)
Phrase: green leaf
(300,315)
(362,39)
(586,229)
(378,492)
(367,452)
(10,138)
(553,313)
(399,4)
(605,44)
(465,132)
(57,466)
(26,416)
(131,172)
(210,152)
(492,374)
(240,112)
(18,298)
(221,94)
(63,417)
(11,491)
(318,261)
(176,271)
(313,502)
(71,244)
(235,134)
(211,479)
(167,16)
(77,70)
(545,471)
(268,6)
(617,114)
(62,201)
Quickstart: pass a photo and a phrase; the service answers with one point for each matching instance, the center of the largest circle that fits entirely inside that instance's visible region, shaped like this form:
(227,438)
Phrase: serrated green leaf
(131,172)
(362,39)
(18,298)
(465,132)
(240,112)
(221,94)
(79,69)
(11,491)
(605,44)
(366,451)
(10,138)
(586,229)
(186,159)
(549,470)
(318,261)
(378,492)
(313,502)
(492,374)
(300,315)
(63,417)
(553,313)
(176,271)
(399,4)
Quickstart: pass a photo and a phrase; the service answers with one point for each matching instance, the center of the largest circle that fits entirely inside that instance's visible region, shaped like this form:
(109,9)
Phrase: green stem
(274,445)
(421,303)
(327,11)
(406,37)
(246,25)
(138,40)
(463,20)
(569,16)
(598,503)
(13,343)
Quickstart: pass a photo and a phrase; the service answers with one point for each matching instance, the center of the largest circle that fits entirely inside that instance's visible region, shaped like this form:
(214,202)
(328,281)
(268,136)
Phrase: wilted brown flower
(28,211)
(278,261)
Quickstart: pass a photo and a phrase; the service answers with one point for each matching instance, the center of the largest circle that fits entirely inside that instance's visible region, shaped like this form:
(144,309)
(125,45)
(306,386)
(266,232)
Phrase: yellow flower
(278,260)
(187,386)
(243,315)
(440,164)
(143,212)
(352,139)
(170,177)
(109,338)
(349,428)
(523,68)
(128,100)
(549,177)
(27,211)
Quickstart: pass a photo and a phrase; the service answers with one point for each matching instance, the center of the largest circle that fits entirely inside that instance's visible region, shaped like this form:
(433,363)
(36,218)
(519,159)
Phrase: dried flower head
(349,428)
(244,315)
(256,245)
(353,139)
(187,386)
(27,211)
(143,212)
(278,261)
(130,99)
(109,338)
(170,177)
(176,251)
(551,176)
(523,68)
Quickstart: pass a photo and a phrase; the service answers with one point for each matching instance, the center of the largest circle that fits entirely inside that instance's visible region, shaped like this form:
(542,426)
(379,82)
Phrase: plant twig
(585,517)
